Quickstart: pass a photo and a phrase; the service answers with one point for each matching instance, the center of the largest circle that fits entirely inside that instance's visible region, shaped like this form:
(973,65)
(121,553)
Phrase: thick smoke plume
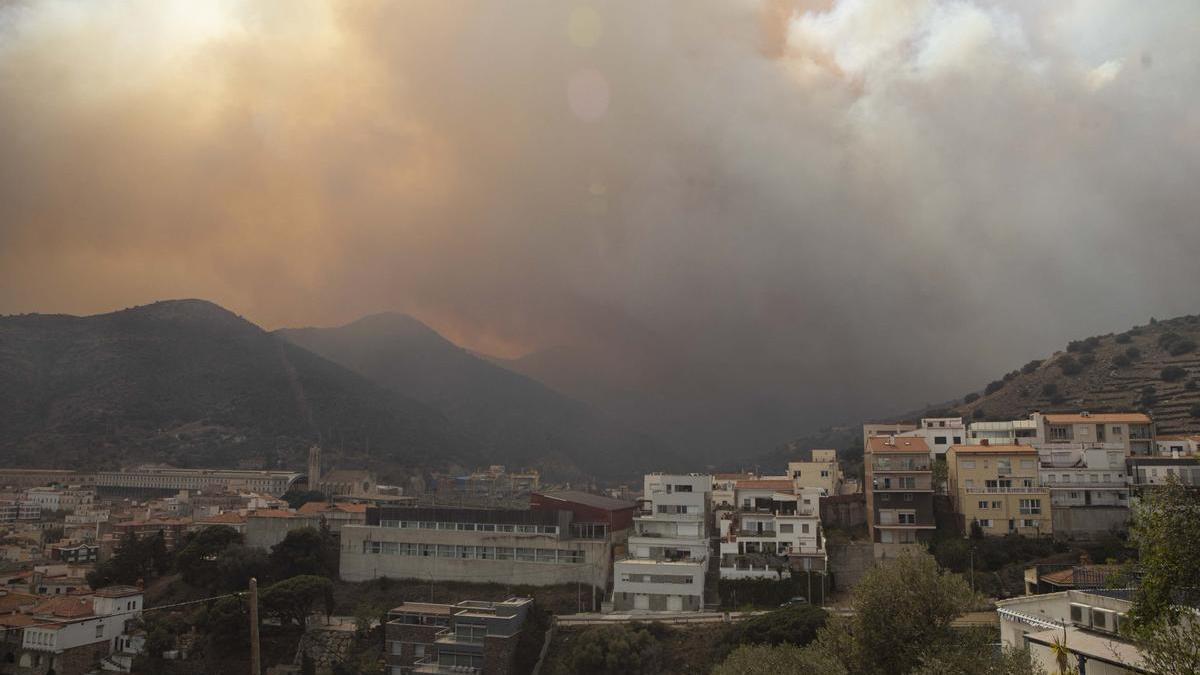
(777,213)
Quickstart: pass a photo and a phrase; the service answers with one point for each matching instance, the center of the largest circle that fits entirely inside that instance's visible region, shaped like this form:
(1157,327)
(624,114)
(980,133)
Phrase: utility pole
(255,656)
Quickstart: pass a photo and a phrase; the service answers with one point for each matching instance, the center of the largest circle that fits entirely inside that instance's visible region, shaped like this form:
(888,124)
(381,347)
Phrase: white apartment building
(772,529)
(1009,432)
(1089,492)
(1177,446)
(1087,622)
(668,548)
(822,472)
(61,499)
(939,433)
(74,629)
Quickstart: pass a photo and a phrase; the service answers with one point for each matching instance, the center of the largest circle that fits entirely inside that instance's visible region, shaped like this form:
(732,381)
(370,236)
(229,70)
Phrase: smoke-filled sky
(801,211)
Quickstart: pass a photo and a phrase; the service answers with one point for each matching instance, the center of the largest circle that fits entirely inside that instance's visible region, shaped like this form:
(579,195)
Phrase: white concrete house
(668,548)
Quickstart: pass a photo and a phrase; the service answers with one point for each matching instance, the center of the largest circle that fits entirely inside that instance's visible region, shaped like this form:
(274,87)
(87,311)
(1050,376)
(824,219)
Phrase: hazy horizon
(784,213)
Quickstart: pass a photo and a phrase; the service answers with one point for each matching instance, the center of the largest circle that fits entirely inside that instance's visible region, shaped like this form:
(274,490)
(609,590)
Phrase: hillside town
(681,545)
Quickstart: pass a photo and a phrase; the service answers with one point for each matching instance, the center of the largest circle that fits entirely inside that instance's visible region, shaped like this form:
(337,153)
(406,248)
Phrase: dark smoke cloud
(780,213)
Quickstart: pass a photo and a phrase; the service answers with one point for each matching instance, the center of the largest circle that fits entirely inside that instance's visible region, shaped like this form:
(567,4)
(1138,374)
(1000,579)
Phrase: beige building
(1132,433)
(885,429)
(997,487)
(822,472)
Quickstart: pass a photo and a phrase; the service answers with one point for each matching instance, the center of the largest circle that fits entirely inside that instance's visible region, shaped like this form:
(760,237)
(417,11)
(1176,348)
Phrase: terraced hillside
(1153,368)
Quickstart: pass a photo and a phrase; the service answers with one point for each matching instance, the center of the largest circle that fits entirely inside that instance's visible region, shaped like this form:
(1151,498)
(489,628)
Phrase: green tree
(975,654)
(1166,531)
(292,600)
(792,625)
(199,559)
(776,659)
(902,613)
(626,649)
(308,550)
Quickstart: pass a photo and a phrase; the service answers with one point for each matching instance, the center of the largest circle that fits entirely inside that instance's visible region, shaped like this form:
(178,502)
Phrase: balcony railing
(447,636)
(755,533)
(429,666)
(1006,490)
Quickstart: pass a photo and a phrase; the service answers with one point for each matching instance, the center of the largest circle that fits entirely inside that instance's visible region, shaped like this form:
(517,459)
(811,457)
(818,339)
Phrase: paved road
(970,619)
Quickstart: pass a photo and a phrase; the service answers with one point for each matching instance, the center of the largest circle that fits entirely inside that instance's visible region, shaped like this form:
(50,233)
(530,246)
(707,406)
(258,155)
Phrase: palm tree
(1062,655)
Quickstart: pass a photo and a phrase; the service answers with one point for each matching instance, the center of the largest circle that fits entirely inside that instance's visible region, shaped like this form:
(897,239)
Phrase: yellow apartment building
(997,487)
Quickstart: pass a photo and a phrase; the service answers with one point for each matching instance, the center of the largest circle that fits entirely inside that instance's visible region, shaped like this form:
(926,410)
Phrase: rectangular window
(907,518)
(504,553)
(1031,507)
(958,440)
(996,505)
(786,529)
(985,523)
(939,440)
(526,555)
(804,528)
(983,505)
(908,496)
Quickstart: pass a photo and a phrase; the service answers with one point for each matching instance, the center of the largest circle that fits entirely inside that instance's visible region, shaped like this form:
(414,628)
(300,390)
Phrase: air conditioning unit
(1081,615)
(1104,619)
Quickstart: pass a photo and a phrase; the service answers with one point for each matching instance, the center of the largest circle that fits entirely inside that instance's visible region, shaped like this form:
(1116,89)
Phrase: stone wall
(848,562)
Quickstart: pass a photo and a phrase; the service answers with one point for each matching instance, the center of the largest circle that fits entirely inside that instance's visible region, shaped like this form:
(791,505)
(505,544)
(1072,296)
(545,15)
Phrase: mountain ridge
(189,382)
(517,416)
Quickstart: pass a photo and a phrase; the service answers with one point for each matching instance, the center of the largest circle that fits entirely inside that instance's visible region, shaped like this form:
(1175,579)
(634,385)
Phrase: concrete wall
(849,562)
(1089,522)
(844,511)
(267,532)
(356,565)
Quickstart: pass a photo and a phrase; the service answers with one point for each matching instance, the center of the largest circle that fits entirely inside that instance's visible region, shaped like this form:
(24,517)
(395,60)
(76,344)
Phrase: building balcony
(451,639)
(430,667)
(1005,490)
(668,517)
(906,526)
(768,534)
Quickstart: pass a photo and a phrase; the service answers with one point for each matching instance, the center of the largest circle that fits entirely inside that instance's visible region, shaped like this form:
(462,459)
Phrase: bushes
(1049,389)
(970,398)
(1124,338)
(1031,366)
(1149,396)
(768,592)
(979,414)
(791,625)
(1194,411)
(1083,346)
(1183,347)
(1175,344)
(1069,366)
(632,648)
(994,386)
(1133,353)
(1087,359)
(1121,361)
(1192,385)
(1172,374)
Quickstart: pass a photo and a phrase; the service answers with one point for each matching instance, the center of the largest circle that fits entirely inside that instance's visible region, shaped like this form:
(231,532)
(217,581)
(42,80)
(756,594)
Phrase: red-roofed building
(335,514)
(70,635)
(595,515)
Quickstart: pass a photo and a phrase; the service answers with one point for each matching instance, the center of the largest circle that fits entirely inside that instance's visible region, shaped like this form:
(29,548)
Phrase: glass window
(526,555)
